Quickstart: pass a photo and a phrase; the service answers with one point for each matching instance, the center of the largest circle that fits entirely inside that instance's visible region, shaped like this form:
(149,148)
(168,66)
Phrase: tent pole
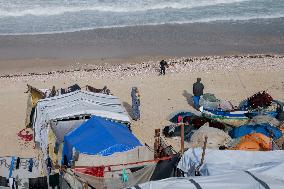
(157,143)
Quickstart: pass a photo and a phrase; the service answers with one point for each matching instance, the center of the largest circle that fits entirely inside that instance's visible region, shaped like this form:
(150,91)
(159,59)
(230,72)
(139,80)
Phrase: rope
(23,163)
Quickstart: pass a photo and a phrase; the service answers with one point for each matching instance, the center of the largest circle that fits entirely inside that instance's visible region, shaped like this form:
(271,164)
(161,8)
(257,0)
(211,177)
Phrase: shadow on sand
(128,108)
(188,97)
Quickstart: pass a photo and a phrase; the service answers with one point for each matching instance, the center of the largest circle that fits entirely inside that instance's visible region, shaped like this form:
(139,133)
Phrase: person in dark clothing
(197,92)
(163,65)
(18,163)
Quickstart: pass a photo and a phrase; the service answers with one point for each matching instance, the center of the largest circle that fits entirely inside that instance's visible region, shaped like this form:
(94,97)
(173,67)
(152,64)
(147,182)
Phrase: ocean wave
(205,20)
(52,10)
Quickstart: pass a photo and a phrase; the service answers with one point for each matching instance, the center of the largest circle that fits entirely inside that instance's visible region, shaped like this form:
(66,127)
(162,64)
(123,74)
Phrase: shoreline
(171,40)
(149,67)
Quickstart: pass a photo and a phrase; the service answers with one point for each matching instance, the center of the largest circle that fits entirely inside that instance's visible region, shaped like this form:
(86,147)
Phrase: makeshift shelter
(99,136)
(219,162)
(254,142)
(263,128)
(123,175)
(78,104)
(236,180)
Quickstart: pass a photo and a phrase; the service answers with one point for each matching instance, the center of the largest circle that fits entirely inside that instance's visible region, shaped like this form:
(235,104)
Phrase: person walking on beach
(163,65)
(197,92)
(135,96)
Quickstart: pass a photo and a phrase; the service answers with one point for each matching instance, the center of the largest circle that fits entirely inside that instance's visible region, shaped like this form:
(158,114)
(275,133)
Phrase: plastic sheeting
(74,104)
(61,128)
(256,179)
(113,178)
(224,161)
(263,128)
(99,136)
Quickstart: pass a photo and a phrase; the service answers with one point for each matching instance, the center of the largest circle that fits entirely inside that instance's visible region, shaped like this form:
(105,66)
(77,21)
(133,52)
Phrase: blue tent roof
(263,128)
(99,136)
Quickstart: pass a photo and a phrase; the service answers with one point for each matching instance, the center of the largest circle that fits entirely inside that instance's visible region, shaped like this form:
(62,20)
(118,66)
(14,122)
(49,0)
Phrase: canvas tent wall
(71,105)
(99,136)
(138,154)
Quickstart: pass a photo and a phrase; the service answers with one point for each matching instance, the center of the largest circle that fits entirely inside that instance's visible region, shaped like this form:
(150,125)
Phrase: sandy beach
(232,78)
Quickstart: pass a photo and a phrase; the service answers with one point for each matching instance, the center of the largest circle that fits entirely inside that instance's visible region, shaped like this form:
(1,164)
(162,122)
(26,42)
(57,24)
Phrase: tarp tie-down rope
(197,186)
(258,180)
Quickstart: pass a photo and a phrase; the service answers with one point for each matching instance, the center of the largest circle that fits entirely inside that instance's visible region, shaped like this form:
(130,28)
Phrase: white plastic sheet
(224,161)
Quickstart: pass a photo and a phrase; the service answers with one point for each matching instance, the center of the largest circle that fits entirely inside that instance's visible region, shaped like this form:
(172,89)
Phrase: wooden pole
(182,138)
(157,143)
(197,171)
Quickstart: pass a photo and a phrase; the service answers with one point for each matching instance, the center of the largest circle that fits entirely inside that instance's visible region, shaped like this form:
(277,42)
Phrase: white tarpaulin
(77,103)
(224,161)
(234,180)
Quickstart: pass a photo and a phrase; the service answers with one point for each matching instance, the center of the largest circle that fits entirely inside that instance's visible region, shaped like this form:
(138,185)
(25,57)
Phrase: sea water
(54,16)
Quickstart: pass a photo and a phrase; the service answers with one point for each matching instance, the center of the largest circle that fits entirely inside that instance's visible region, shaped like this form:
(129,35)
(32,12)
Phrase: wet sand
(195,39)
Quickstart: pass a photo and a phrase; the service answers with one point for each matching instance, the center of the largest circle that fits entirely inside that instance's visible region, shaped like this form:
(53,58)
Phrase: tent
(219,162)
(235,180)
(72,105)
(263,128)
(99,136)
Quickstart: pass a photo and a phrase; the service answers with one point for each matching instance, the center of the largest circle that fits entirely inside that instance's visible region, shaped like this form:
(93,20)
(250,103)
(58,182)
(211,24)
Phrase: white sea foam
(119,6)
(57,16)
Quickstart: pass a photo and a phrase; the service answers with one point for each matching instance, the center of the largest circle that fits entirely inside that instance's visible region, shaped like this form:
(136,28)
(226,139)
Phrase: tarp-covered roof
(75,104)
(99,136)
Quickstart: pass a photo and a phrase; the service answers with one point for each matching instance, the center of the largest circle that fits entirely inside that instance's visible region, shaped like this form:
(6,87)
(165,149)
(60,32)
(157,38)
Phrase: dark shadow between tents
(188,97)
(128,108)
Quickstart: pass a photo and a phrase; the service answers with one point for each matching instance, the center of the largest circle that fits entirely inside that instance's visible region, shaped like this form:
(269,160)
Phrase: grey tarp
(223,161)
(257,179)
(61,128)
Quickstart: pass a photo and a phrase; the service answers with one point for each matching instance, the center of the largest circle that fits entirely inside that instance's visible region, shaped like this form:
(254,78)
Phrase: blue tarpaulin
(263,128)
(99,136)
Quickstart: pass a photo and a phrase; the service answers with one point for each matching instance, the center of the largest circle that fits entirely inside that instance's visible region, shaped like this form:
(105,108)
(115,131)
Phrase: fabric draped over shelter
(34,95)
